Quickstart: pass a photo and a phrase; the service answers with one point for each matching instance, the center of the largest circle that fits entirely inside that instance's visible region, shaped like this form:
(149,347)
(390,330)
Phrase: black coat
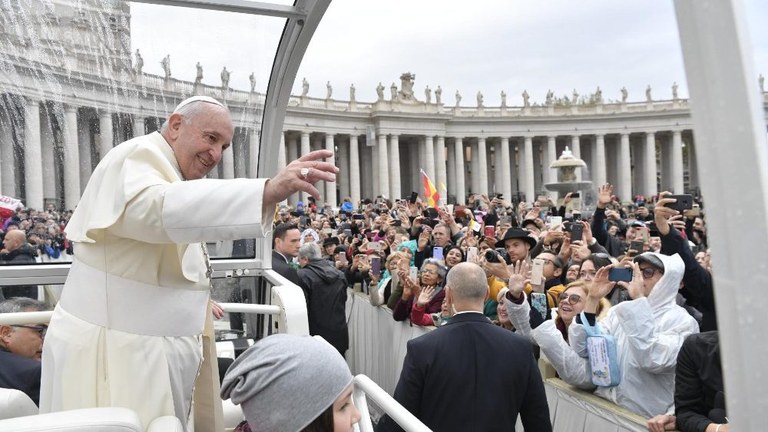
(24,255)
(325,288)
(282,268)
(699,397)
(470,375)
(20,373)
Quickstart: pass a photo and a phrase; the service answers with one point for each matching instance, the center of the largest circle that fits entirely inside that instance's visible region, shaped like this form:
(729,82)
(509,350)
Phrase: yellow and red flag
(430,192)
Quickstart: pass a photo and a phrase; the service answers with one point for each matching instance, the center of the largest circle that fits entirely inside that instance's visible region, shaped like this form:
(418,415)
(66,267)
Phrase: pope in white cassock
(128,330)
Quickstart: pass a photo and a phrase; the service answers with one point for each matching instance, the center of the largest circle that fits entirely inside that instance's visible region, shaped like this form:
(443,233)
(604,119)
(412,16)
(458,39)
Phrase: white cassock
(127,330)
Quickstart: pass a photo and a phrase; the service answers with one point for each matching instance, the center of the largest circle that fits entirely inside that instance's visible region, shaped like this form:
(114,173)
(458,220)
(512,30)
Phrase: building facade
(70,90)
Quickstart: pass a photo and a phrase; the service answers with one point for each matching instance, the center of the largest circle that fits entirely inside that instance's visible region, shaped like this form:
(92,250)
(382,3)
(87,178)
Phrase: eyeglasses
(648,272)
(41,329)
(572,298)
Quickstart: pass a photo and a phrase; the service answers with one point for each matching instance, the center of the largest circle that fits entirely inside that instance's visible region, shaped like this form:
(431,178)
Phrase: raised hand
(425,296)
(300,176)
(519,274)
(604,195)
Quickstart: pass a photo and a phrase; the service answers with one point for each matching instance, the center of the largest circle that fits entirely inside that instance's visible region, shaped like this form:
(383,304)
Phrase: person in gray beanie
(292,383)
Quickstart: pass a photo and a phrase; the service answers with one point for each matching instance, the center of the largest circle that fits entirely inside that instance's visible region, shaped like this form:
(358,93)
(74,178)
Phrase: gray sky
(494,45)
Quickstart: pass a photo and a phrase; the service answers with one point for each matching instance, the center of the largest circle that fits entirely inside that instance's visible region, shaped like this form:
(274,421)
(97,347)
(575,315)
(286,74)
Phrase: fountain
(568,181)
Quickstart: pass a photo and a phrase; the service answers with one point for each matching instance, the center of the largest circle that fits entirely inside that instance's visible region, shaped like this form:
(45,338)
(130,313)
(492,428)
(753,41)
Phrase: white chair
(15,403)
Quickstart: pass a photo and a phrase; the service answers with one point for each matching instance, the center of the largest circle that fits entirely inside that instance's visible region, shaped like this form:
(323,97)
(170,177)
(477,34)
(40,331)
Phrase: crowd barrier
(378,346)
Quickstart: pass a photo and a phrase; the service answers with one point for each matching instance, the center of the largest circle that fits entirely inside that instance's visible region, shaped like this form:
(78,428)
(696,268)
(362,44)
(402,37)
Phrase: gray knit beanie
(284,382)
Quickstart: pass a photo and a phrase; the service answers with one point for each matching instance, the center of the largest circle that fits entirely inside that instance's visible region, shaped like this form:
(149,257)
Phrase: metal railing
(365,388)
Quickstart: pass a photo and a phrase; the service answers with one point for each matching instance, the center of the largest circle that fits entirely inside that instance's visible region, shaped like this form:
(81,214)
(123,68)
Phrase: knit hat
(284,382)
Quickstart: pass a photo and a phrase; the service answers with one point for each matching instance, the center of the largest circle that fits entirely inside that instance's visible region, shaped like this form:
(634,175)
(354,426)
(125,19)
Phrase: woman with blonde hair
(552,335)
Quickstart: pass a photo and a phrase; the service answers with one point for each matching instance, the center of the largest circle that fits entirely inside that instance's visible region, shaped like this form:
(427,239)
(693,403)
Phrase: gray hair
(310,251)
(467,281)
(441,270)
(22,304)
(190,110)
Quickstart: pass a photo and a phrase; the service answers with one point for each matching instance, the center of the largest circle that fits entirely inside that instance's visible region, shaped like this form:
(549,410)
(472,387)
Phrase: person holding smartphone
(651,320)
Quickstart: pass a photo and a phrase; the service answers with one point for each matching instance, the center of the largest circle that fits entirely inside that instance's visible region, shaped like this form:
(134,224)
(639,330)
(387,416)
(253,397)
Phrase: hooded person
(292,383)
(649,331)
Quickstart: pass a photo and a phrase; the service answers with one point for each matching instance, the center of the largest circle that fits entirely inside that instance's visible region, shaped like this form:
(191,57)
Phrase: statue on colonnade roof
(406,87)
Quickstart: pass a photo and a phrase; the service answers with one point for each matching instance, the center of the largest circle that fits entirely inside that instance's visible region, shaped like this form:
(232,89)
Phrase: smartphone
(414,196)
(375,265)
(490,231)
(637,245)
(539,303)
(437,252)
(449,209)
(358,216)
(577,231)
(303,220)
(684,202)
(620,274)
(348,232)
(342,256)
(374,246)
(537,271)
(414,273)
(471,253)
(554,221)
(575,195)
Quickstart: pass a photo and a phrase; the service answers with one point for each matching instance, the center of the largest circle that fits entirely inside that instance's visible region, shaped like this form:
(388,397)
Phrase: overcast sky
(493,45)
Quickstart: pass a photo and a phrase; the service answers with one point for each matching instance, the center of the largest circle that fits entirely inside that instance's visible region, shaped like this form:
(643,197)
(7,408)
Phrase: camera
(492,255)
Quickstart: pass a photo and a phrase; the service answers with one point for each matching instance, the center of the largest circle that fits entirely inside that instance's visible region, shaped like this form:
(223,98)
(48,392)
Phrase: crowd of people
(548,267)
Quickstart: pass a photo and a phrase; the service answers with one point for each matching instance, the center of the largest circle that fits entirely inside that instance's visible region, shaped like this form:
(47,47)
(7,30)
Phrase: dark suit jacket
(471,375)
(20,373)
(283,269)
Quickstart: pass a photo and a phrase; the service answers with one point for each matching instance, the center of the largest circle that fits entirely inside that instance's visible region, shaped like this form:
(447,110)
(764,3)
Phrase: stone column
(281,160)
(228,162)
(650,165)
(47,157)
(106,135)
(429,157)
(677,162)
(330,187)
(383,167)
(506,178)
(354,169)
(394,150)
(304,150)
(551,157)
(71,159)
(482,161)
(84,147)
(451,171)
(576,150)
(33,165)
(461,189)
(600,176)
(238,147)
(530,194)
(440,161)
(343,177)
(625,170)
(8,171)
(253,143)
(475,165)
(498,171)
(138,125)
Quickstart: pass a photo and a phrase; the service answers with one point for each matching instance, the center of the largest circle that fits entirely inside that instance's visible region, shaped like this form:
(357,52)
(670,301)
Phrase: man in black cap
(518,243)
(329,245)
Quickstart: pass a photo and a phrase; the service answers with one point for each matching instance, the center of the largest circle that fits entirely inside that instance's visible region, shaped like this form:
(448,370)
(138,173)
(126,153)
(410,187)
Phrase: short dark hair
(280,231)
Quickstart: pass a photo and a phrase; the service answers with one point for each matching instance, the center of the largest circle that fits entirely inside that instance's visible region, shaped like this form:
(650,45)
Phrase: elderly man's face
(441,236)
(199,141)
(26,341)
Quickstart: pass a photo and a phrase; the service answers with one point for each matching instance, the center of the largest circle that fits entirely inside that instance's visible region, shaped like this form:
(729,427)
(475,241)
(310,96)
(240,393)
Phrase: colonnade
(48,150)
(638,162)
